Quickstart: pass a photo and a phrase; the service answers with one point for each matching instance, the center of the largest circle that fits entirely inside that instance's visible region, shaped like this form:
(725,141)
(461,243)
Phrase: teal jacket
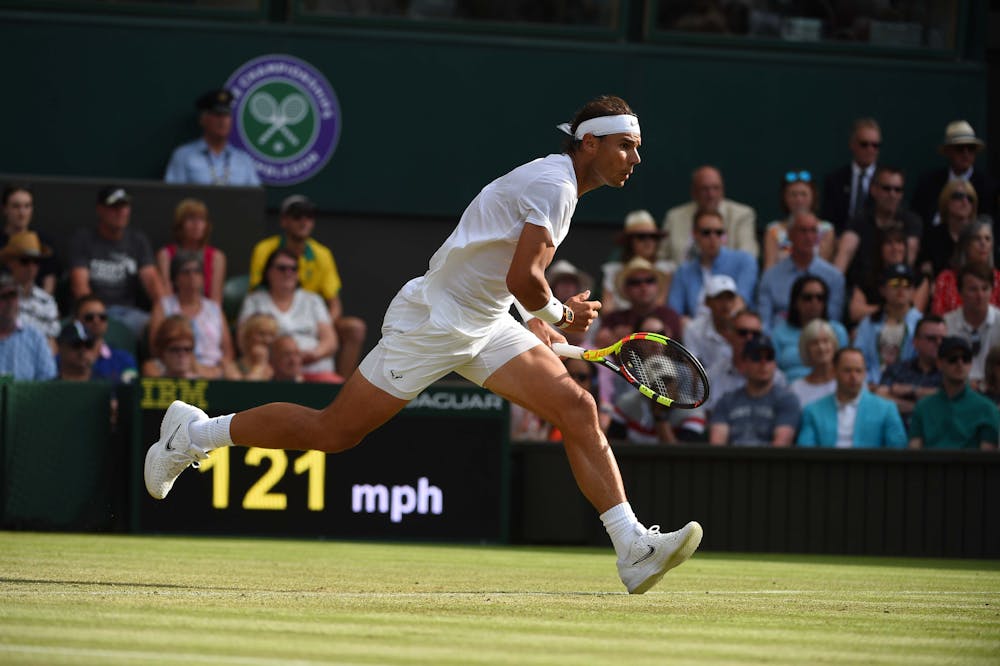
(878,424)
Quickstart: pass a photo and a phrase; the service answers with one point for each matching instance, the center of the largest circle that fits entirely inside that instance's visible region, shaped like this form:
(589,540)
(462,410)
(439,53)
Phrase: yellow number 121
(260,497)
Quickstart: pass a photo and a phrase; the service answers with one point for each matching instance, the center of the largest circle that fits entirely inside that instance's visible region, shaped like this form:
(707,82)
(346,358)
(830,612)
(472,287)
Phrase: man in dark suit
(845,190)
(960,148)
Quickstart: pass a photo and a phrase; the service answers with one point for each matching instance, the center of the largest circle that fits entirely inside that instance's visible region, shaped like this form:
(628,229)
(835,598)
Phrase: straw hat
(639,265)
(960,133)
(24,244)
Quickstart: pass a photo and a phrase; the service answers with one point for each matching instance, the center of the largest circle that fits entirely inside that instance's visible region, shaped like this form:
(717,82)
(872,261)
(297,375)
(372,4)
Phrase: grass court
(104,599)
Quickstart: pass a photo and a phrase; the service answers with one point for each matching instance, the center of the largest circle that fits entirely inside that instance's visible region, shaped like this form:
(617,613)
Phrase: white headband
(603,125)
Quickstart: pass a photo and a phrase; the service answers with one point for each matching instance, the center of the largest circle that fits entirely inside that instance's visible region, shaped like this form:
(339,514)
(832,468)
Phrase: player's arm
(526,280)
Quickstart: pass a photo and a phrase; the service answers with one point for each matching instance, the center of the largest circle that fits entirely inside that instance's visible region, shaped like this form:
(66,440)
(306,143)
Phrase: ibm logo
(397,501)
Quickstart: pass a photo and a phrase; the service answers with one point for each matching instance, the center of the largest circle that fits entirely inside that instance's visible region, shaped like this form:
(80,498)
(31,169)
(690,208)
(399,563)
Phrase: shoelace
(655,529)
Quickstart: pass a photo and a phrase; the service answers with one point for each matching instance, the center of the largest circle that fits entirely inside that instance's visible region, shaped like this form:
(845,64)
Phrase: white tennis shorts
(415,351)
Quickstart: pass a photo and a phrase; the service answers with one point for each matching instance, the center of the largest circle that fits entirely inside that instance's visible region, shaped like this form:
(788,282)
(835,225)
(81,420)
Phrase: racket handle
(567,351)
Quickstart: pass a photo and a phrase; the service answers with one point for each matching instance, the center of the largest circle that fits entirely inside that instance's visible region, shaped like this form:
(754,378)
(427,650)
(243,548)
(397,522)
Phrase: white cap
(719,284)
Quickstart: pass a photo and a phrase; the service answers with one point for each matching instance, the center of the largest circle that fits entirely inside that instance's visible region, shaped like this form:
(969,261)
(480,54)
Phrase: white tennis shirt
(466,284)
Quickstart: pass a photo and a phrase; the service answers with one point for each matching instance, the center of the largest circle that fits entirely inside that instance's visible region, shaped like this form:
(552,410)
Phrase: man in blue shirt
(776,283)
(687,290)
(24,351)
(211,160)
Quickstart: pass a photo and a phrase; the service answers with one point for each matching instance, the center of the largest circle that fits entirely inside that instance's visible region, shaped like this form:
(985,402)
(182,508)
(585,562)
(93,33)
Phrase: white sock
(212,433)
(622,527)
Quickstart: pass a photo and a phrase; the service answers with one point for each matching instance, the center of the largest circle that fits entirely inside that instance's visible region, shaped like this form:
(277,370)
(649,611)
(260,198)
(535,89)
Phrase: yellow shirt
(317,269)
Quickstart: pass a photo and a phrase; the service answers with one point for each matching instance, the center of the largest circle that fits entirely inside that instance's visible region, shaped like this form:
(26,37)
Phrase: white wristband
(523,311)
(551,313)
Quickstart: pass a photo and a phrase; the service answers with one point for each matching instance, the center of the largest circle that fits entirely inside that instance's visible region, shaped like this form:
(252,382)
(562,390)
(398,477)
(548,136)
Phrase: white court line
(131,655)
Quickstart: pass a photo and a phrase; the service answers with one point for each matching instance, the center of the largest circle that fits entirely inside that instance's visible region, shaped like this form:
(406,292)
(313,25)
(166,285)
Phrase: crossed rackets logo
(279,119)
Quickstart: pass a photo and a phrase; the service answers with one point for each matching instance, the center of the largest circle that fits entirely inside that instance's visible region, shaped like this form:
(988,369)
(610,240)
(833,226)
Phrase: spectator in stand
(906,382)
(708,194)
(115,365)
(760,413)
(808,301)
(191,232)
(887,335)
(18,208)
(857,244)
(77,353)
(990,386)
(817,345)
(299,312)
(286,359)
(956,417)
(976,319)
(975,246)
(24,353)
(566,280)
(639,238)
(173,351)
(728,374)
(957,206)
(959,148)
(866,295)
(113,261)
(705,335)
(22,255)
(644,286)
(777,281)
(254,338)
(213,346)
(798,196)
(212,160)
(687,291)
(851,417)
(317,273)
(846,190)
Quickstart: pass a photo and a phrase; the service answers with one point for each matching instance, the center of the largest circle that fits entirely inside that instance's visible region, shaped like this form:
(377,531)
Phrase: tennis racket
(660,368)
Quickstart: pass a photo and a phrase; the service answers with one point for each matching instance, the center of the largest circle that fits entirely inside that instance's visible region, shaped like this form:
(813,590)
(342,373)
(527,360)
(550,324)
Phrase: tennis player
(456,318)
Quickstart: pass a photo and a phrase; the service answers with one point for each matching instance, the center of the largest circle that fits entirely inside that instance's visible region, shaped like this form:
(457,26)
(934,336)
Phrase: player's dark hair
(604,105)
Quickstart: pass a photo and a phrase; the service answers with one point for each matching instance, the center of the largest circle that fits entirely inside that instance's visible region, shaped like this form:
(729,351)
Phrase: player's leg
(537,380)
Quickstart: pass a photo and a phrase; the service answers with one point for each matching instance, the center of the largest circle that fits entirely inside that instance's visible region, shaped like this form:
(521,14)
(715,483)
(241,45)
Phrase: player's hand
(584,311)
(545,332)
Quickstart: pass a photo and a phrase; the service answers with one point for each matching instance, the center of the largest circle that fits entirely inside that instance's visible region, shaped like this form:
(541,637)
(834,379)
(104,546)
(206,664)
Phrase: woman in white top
(213,345)
(300,313)
(817,345)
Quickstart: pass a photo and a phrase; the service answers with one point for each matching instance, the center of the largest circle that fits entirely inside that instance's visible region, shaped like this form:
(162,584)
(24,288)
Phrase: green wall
(430,118)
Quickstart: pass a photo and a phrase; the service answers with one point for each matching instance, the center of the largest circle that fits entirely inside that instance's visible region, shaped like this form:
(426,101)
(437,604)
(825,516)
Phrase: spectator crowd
(855,320)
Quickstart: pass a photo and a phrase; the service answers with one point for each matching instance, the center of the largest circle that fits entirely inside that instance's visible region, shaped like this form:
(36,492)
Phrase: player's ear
(589,143)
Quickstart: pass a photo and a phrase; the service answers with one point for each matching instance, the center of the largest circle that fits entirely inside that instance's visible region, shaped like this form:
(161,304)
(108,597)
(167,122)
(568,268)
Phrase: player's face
(617,155)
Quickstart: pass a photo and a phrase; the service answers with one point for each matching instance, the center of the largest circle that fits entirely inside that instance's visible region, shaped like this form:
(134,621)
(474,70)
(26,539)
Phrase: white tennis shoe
(174,452)
(653,554)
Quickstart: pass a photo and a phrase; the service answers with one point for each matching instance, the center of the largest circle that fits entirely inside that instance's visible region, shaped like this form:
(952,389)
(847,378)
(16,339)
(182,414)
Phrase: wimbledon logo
(286,116)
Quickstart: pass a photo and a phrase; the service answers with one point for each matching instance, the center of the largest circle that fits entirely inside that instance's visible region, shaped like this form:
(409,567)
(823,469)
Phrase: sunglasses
(77,345)
(759,355)
(898,282)
(961,196)
(643,237)
(91,317)
(869,144)
(708,232)
(286,268)
(812,297)
(931,338)
(180,350)
(635,282)
(892,188)
(798,177)
(27,261)
(965,148)
(748,332)
(955,358)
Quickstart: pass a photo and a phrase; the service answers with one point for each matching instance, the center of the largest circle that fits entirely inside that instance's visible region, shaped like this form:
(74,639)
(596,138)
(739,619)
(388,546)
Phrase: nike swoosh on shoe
(171,438)
(646,556)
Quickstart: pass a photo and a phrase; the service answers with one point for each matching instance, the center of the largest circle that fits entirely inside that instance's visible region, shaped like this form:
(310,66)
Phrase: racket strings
(664,369)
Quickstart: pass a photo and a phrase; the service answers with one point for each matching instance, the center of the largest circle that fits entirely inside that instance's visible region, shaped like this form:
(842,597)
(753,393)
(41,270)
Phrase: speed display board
(437,471)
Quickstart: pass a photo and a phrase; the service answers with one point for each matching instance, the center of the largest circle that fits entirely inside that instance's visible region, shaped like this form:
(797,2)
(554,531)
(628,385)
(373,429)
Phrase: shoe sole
(678,557)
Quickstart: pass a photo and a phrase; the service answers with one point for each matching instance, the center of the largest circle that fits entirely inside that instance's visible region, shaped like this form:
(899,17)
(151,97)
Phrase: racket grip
(567,351)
